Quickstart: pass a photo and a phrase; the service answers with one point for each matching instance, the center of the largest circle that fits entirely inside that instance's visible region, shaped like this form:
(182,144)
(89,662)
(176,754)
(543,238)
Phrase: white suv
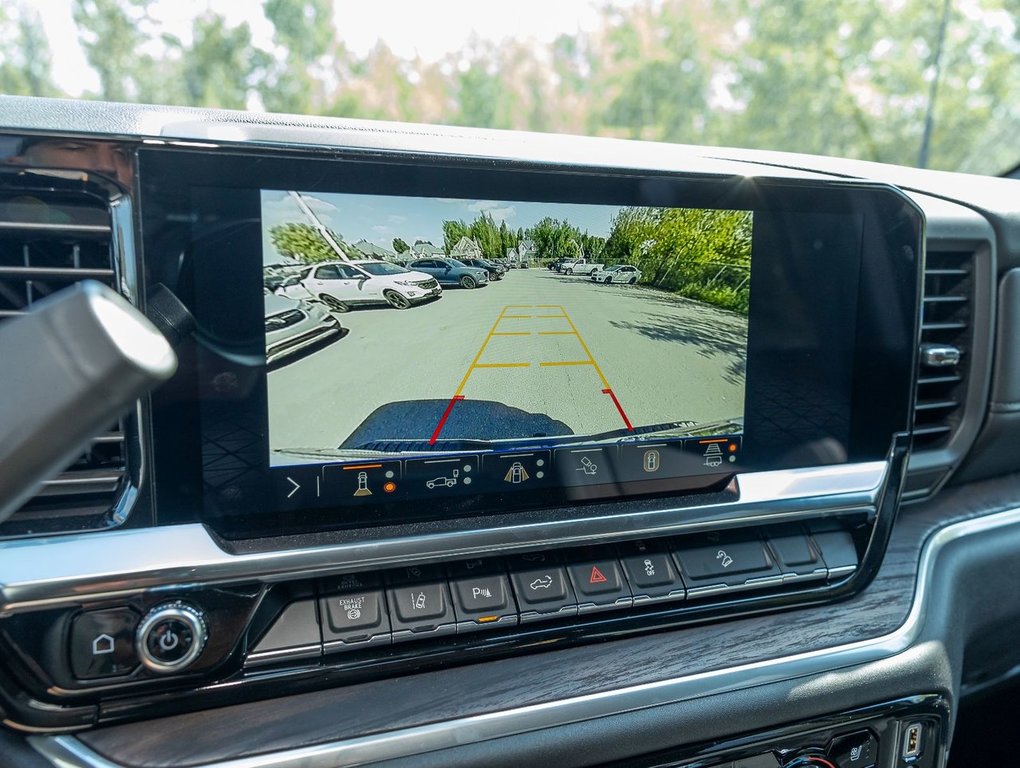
(342,285)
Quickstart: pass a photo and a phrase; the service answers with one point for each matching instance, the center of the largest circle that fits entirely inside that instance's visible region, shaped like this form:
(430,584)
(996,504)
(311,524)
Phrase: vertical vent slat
(51,237)
(947,322)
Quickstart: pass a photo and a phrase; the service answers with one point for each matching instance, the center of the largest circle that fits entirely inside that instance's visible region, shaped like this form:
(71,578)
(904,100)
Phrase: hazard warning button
(600,584)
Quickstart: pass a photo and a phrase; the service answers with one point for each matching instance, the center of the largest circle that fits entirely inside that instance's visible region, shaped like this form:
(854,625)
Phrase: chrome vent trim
(946,322)
(55,230)
(953,360)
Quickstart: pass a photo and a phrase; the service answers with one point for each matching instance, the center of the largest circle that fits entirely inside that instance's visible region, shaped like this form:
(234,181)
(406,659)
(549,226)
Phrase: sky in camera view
(380,219)
(914,82)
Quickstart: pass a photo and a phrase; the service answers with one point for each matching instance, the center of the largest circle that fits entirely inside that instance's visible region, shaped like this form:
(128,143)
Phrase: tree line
(902,81)
(698,253)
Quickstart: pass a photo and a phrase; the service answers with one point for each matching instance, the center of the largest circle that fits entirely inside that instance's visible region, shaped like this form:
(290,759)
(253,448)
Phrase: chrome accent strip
(64,570)
(68,752)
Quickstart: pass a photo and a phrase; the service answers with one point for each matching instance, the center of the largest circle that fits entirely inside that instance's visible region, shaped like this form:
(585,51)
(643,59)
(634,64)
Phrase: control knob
(171,637)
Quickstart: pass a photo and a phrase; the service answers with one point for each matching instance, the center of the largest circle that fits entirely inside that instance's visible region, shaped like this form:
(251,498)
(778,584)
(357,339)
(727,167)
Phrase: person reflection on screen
(110,158)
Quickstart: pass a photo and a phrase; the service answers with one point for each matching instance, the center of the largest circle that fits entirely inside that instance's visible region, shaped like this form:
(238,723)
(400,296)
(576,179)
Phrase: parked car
(452,272)
(293,325)
(618,273)
(579,267)
(342,285)
(495,271)
(555,264)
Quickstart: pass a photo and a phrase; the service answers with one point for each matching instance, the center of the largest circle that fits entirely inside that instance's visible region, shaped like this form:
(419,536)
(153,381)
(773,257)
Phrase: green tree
(114,35)
(303,243)
(306,57)
(219,69)
(453,231)
(399,246)
(551,237)
(25,62)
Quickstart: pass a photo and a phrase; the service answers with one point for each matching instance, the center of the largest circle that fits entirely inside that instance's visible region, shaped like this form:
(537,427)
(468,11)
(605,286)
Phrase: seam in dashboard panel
(71,752)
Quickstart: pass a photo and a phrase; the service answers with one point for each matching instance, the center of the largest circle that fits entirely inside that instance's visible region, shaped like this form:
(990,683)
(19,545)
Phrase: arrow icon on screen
(295,489)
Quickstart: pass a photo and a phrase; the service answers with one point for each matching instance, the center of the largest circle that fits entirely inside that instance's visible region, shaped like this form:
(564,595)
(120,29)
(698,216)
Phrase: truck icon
(443,482)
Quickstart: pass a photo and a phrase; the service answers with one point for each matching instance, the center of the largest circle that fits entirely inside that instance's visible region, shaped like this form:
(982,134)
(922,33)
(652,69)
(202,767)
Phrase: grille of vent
(947,321)
(53,233)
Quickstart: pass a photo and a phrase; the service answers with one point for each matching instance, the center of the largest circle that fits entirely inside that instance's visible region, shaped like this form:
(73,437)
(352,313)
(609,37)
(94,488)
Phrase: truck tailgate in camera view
(537,359)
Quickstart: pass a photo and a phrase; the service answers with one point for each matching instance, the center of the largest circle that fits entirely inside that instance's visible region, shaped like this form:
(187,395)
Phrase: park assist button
(422,608)
(369,481)
(483,600)
(103,643)
(599,584)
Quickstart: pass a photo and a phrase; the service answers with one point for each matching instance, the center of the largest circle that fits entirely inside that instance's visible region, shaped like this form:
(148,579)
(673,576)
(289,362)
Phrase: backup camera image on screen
(400,326)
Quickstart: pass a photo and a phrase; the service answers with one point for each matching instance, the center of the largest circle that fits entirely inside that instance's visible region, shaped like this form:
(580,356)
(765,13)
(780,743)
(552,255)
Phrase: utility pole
(319,226)
(929,117)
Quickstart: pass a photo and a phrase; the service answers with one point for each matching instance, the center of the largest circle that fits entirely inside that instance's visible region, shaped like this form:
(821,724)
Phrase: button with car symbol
(543,589)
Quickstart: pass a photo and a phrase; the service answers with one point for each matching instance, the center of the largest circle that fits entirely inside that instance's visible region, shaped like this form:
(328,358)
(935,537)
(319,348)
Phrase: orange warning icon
(596,576)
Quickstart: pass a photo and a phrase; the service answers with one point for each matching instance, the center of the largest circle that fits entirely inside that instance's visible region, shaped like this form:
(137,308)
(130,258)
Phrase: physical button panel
(420,602)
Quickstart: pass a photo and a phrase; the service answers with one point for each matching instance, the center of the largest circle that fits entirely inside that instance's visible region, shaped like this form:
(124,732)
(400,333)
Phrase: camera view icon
(517,474)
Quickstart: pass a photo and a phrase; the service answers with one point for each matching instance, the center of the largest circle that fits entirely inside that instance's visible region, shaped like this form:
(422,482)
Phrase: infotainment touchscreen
(386,340)
(508,343)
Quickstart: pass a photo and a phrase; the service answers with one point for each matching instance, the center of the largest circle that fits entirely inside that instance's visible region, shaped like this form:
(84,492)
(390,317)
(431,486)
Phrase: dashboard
(499,448)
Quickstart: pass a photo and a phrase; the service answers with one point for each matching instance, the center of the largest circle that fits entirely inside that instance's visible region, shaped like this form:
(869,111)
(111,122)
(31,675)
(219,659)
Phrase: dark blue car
(451,272)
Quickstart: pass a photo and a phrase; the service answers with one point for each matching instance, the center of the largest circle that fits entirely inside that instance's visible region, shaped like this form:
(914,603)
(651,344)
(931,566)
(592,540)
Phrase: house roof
(465,246)
(371,249)
(427,249)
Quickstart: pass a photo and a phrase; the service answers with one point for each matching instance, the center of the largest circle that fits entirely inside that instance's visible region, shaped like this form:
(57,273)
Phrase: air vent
(946,334)
(55,231)
(952,364)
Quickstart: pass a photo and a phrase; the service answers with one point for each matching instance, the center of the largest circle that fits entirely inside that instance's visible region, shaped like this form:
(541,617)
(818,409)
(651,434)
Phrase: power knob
(171,637)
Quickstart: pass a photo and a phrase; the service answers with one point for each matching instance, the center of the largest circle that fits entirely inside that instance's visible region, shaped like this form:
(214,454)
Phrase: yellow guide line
(481,349)
(571,362)
(512,333)
(605,382)
(549,316)
(518,317)
(503,365)
(556,333)
(548,306)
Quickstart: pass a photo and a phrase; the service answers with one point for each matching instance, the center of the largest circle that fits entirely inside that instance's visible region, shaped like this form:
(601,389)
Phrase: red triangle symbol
(596,576)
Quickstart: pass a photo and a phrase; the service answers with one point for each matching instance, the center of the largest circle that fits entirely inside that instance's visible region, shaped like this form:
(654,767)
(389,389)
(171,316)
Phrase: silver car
(293,325)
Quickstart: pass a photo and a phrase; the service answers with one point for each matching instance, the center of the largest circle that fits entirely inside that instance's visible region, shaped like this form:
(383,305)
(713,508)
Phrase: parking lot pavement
(594,357)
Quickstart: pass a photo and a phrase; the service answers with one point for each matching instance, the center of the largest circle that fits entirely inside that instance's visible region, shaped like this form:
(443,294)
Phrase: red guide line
(619,408)
(446,415)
